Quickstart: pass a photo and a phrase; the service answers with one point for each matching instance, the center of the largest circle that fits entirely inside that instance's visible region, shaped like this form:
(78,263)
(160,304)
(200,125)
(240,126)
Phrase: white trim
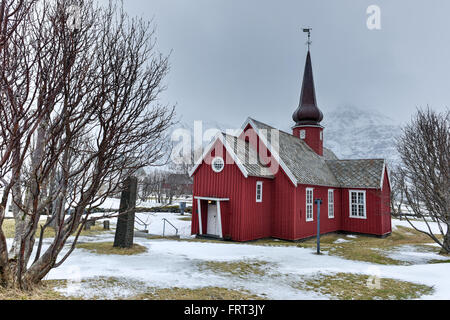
(308,126)
(219,216)
(309,204)
(332,192)
(199,210)
(350,204)
(259,183)
(383,174)
(219,136)
(275,154)
(212,199)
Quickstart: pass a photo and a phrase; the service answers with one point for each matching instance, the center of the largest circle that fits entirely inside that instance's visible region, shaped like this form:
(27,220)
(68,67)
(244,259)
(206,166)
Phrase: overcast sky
(237,58)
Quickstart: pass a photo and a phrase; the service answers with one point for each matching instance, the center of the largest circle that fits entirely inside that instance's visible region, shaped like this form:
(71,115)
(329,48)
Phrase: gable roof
(248,156)
(243,154)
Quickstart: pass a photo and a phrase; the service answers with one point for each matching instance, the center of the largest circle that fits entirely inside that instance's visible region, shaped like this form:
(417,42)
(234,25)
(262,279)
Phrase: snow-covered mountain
(208,129)
(350,132)
(356,133)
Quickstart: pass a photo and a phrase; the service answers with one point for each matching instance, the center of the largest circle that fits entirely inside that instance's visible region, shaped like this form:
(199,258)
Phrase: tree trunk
(446,243)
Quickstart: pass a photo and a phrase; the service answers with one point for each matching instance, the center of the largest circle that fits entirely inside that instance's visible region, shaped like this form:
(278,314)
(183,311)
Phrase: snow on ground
(157,224)
(113,203)
(413,254)
(340,240)
(171,263)
(154,223)
(421,225)
(176,264)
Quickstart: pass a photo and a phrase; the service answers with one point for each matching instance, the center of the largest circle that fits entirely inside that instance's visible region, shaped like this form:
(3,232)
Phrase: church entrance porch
(212,216)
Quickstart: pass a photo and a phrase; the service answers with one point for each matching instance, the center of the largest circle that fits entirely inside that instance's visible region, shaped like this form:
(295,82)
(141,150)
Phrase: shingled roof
(327,170)
(358,173)
(248,156)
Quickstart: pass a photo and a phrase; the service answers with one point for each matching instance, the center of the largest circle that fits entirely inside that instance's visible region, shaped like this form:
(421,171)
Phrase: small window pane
(358,204)
(259,192)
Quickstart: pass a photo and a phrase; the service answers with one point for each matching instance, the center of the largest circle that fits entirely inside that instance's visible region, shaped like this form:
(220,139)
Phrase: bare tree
(424,179)
(12,13)
(397,196)
(86,118)
(183,163)
(153,185)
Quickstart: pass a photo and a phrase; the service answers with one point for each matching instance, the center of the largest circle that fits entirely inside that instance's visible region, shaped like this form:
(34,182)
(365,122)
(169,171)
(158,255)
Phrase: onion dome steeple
(307,112)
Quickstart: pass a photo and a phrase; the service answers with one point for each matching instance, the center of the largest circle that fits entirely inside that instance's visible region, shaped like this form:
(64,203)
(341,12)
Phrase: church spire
(307,112)
(308,116)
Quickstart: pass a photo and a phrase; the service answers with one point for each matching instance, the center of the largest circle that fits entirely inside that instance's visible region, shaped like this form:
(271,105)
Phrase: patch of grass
(93,231)
(206,293)
(241,269)
(144,292)
(185,218)
(49,290)
(274,243)
(372,249)
(349,286)
(9,230)
(45,291)
(108,248)
(437,261)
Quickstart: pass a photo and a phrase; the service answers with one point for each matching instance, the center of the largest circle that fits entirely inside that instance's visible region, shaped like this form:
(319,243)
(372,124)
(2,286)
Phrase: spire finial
(308,112)
(308,30)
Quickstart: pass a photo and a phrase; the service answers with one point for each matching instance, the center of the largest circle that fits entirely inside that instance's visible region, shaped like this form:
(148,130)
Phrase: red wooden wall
(256,217)
(225,184)
(305,229)
(243,219)
(385,205)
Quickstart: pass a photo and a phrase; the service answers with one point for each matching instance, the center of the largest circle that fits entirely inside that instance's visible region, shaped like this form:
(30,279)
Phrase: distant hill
(355,133)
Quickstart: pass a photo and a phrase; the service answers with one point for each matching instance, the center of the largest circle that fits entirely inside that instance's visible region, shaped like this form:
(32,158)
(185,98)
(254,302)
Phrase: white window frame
(331,204)
(213,164)
(364,204)
(259,197)
(309,205)
(303,134)
(321,135)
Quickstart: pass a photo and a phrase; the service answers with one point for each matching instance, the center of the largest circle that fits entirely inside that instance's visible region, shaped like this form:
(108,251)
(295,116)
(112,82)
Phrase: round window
(218,164)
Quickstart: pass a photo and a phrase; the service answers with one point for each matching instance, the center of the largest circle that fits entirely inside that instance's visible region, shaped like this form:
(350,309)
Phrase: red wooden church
(263,182)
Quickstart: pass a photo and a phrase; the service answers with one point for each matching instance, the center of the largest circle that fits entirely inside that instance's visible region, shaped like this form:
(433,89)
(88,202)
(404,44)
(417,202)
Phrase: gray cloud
(232,58)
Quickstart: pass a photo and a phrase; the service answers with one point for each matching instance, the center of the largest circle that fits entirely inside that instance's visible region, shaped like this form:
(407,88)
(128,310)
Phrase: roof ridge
(272,127)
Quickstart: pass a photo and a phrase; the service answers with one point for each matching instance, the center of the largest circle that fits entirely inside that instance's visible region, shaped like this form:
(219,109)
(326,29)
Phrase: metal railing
(164,227)
(142,223)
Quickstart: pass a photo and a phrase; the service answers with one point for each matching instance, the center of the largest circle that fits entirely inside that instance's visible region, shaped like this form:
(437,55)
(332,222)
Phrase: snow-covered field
(176,264)
(169,263)
(420,225)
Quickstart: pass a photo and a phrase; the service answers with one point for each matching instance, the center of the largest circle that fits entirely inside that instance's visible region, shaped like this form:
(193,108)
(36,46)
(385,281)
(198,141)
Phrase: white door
(212,220)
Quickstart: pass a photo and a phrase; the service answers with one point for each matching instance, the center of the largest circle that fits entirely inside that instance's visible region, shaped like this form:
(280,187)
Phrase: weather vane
(308,30)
